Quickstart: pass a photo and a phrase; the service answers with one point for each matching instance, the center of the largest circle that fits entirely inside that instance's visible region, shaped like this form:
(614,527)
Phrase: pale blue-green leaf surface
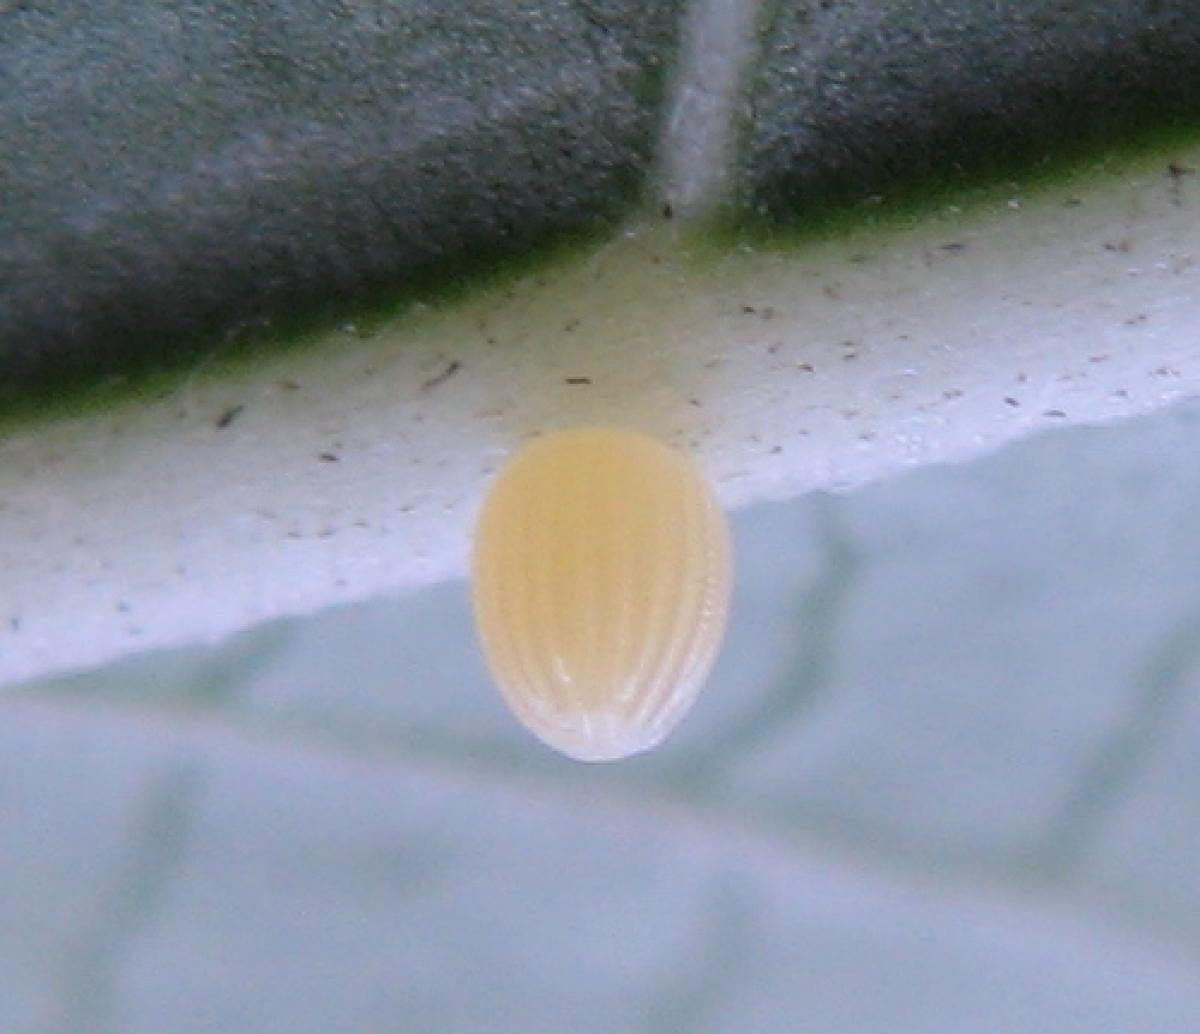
(946,778)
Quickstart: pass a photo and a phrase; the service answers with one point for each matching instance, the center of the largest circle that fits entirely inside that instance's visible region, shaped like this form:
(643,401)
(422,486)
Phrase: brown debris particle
(451,369)
(229,416)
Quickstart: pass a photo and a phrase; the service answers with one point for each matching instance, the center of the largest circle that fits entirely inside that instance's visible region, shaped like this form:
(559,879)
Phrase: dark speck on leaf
(229,416)
(1177,172)
(451,369)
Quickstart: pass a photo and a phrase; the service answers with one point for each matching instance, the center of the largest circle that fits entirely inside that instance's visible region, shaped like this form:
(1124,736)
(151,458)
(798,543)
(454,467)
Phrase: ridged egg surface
(601,582)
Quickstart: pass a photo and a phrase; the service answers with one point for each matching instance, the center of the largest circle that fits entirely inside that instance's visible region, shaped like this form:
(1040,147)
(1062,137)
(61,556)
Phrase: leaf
(944,779)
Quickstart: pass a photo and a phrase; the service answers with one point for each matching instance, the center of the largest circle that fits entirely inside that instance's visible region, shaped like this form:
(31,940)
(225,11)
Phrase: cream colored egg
(601,581)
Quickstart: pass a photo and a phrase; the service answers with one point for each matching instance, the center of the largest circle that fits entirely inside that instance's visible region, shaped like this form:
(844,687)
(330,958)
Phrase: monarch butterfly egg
(601,581)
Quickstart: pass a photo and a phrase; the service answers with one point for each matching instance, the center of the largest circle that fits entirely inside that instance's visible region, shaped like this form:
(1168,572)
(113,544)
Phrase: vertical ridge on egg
(601,584)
